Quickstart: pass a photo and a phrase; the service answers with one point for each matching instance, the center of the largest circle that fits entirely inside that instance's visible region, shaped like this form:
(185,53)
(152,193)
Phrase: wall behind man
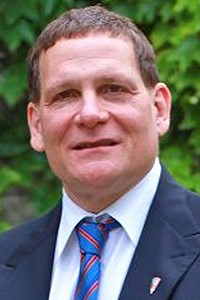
(27,187)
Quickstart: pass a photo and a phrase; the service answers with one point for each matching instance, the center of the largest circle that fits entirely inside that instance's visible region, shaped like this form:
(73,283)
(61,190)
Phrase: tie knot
(92,235)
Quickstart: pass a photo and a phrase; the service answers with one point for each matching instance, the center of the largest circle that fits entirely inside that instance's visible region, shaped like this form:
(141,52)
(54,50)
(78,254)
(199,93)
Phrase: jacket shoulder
(41,226)
(178,197)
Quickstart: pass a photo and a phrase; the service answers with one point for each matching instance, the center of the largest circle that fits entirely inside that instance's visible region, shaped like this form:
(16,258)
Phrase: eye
(64,97)
(68,94)
(115,92)
(113,88)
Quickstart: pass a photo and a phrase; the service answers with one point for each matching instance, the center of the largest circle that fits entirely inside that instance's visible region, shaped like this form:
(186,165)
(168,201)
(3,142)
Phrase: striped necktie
(91,237)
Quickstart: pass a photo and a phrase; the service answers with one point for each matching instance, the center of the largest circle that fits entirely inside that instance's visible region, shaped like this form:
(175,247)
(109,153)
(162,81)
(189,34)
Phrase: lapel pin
(154,284)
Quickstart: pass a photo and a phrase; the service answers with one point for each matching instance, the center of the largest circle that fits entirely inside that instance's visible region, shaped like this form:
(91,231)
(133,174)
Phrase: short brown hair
(82,22)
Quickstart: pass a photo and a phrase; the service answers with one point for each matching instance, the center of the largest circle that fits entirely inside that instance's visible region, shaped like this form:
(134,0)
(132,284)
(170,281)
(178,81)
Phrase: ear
(162,102)
(34,123)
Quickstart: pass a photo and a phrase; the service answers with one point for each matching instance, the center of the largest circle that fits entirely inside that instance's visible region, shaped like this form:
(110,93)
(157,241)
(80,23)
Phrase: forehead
(94,54)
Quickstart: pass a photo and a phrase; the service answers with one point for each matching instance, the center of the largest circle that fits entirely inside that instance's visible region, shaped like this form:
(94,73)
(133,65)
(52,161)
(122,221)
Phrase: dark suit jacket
(169,248)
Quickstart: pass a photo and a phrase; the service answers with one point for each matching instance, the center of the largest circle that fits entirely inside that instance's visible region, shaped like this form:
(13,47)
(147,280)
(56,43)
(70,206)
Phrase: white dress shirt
(130,211)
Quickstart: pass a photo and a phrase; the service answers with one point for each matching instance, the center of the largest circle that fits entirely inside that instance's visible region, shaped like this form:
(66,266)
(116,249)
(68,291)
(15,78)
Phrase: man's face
(97,122)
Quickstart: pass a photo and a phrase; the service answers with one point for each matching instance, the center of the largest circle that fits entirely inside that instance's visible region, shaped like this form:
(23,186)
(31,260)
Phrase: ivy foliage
(174,29)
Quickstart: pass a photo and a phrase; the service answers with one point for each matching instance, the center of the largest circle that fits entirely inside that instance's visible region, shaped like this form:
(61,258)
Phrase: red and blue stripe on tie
(91,237)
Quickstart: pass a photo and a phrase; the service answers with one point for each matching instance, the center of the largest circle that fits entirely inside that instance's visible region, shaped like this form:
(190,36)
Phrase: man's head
(82,22)
(98,109)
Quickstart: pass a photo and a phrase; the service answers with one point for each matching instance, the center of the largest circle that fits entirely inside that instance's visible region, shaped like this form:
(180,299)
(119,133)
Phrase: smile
(99,143)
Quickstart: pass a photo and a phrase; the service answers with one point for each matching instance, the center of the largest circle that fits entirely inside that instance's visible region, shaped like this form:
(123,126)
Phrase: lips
(95,144)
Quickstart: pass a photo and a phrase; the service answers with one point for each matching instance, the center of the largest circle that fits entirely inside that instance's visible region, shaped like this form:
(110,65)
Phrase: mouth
(96,144)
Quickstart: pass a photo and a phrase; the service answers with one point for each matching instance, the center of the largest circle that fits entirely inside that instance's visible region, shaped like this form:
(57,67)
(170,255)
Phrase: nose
(91,112)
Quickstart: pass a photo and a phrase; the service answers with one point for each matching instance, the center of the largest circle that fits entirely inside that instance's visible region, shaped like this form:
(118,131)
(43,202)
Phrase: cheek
(133,121)
(53,127)
(142,129)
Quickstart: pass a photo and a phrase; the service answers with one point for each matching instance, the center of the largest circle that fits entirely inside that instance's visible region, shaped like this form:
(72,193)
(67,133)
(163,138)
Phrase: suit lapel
(169,243)
(27,272)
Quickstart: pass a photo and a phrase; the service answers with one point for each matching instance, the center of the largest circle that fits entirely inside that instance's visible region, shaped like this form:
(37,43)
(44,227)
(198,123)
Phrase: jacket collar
(26,262)
(169,243)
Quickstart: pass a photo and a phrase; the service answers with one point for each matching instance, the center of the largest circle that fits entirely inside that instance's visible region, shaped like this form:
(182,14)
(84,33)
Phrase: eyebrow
(58,85)
(107,77)
(120,78)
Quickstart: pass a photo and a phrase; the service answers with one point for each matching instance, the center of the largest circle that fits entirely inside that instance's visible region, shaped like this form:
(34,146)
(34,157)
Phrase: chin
(97,173)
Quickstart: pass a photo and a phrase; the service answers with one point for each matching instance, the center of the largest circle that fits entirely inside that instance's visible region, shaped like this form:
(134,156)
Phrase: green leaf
(11,149)
(9,177)
(13,84)
(48,6)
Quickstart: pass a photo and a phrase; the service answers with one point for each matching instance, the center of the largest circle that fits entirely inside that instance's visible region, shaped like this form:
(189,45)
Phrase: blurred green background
(27,187)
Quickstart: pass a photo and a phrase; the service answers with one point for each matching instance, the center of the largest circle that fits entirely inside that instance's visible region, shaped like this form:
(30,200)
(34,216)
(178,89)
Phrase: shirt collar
(130,210)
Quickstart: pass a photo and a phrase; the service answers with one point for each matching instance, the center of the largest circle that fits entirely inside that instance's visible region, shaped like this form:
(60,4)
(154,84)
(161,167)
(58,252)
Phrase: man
(98,110)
